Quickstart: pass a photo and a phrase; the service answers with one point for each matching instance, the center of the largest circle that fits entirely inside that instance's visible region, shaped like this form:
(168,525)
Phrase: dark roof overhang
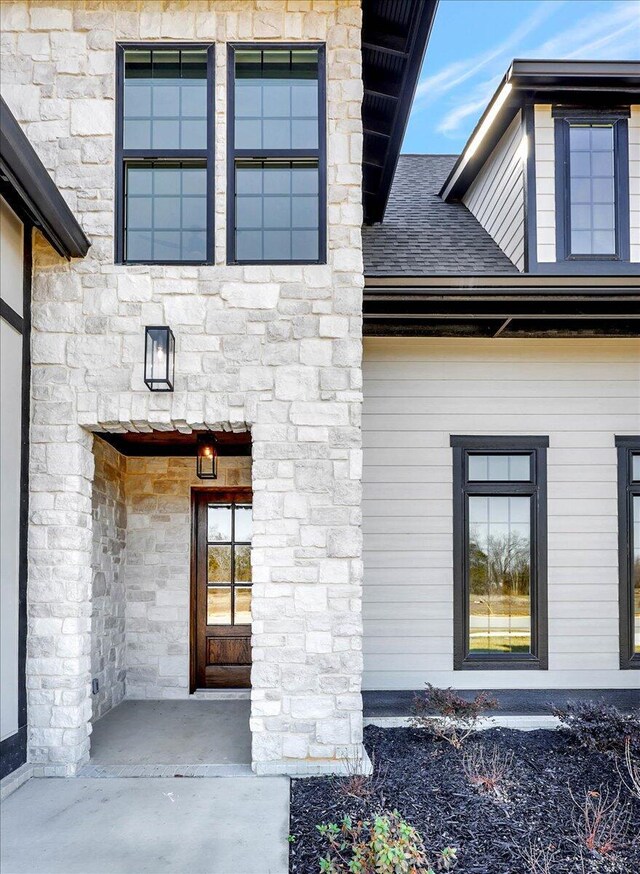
(491,306)
(26,181)
(598,83)
(395,34)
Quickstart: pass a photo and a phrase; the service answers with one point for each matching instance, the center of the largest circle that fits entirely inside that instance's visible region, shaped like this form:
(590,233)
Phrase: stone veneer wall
(273,349)
(158,585)
(108,663)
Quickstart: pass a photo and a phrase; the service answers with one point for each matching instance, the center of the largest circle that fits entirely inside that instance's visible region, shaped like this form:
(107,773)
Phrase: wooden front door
(221,589)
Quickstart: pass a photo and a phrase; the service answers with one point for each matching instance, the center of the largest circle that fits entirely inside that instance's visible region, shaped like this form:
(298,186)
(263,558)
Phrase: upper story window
(276,154)
(499,519)
(164,154)
(629,549)
(592,187)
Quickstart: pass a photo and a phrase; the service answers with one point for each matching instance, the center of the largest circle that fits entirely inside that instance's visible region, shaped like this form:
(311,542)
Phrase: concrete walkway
(134,826)
(137,733)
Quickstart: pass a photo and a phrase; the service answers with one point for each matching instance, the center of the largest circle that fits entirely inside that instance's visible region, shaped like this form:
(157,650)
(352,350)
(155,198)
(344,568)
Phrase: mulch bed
(424,780)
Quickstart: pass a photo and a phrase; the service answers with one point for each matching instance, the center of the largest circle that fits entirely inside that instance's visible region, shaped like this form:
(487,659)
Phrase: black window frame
(627,447)
(536,488)
(319,154)
(563,119)
(123,156)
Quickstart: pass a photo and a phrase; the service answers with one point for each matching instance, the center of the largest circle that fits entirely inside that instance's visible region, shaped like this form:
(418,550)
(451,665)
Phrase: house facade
(187,257)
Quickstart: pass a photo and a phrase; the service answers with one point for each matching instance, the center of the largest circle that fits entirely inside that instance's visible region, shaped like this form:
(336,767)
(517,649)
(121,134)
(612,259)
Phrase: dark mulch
(424,780)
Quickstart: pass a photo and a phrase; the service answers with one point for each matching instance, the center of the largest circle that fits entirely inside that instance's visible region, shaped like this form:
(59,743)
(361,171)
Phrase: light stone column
(59,592)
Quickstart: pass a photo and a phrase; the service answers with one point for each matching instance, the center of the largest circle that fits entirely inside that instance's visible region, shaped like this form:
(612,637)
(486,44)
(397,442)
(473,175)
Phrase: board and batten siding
(417,392)
(496,196)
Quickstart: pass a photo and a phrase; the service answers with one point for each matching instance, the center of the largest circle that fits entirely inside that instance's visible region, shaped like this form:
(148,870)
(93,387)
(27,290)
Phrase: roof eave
(546,79)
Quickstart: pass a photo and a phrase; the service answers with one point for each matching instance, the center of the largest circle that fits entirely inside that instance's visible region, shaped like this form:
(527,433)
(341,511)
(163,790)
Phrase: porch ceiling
(175,443)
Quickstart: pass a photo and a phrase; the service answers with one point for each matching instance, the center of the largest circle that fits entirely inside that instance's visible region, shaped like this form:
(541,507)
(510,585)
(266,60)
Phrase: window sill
(632,664)
(532,663)
(586,267)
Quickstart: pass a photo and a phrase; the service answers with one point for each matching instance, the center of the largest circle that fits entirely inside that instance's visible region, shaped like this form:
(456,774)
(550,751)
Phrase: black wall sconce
(207,456)
(159,358)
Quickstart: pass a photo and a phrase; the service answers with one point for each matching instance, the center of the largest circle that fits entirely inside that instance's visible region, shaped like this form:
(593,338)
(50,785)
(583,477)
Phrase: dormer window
(592,187)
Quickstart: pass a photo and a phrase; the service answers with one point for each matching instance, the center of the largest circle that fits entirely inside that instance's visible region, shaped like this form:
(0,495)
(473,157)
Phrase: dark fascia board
(545,81)
(425,13)
(36,191)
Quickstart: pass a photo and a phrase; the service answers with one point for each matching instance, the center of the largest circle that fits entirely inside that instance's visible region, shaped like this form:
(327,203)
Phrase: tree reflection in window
(499,549)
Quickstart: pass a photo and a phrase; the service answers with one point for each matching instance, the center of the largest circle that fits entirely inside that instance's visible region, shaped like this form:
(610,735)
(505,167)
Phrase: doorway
(221,588)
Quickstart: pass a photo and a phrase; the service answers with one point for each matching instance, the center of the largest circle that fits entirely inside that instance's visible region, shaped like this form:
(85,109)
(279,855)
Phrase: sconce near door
(207,456)
(159,358)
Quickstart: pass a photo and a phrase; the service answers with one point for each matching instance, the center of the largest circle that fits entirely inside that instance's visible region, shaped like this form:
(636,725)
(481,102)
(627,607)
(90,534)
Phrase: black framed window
(500,546)
(629,549)
(592,186)
(277,154)
(164,154)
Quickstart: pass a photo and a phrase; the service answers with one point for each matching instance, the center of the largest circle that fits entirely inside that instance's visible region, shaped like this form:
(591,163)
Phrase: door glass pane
(218,605)
(219,564)
(499,550)
(514,468)
(243,564)
(242,605)
(592,197)
(243,523)
(636,570)
(219,524)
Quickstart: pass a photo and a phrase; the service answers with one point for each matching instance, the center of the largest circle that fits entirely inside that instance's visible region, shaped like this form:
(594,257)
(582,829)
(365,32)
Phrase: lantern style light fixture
(207,456)
(159,358)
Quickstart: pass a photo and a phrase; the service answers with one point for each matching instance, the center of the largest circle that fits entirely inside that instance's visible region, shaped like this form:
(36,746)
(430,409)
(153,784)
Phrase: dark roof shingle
(422,235)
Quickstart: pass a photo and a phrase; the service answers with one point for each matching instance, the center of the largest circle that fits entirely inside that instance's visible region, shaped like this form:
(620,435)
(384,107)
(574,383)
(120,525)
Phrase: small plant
(601,727)
(356,784)
(447,715)
(487,771)
(632,778)
(538,858)
(601,821)
(384,845)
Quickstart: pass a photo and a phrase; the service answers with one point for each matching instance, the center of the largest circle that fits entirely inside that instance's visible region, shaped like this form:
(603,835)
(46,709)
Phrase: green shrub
(384,845)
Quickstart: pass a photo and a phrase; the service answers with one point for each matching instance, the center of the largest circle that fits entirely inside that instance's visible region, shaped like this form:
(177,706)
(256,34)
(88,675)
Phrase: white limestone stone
(272,349)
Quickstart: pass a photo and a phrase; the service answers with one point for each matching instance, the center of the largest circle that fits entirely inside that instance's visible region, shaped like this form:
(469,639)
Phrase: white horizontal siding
(417,392)
(496,196)
(545,182)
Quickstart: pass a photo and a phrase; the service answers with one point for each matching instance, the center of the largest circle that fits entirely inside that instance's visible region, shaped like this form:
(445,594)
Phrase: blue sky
(473,42)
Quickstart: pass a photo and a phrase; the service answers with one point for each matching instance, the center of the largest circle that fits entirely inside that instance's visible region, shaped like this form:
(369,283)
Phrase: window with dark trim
(592,185)
(629,549)
(276,183)
(164,154)
(500,548)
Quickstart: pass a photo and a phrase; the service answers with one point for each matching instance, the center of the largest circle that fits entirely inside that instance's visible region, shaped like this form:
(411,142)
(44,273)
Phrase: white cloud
(460,71)
(609,34)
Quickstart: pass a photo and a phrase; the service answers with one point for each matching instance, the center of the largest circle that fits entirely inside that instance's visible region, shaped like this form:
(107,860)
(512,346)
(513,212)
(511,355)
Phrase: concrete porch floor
(159,826)
(157,738)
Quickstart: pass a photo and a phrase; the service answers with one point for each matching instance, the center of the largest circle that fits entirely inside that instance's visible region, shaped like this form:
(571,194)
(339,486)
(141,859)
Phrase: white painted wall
(417,392)
(496,196)
(10,425)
